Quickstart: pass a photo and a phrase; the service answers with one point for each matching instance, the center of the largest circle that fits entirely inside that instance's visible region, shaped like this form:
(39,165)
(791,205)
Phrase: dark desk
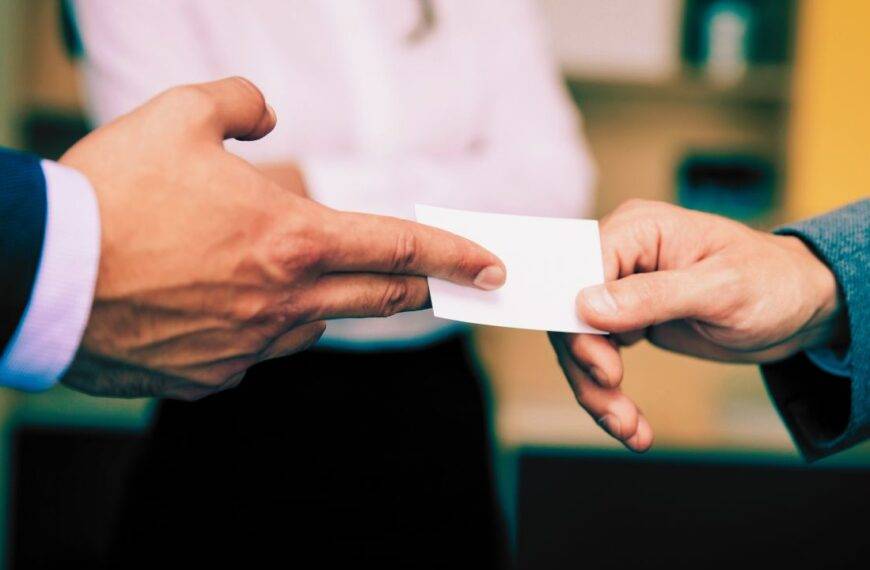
(612,510)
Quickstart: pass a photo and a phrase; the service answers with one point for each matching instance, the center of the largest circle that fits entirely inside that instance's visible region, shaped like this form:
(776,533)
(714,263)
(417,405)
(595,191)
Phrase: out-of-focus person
(376,445)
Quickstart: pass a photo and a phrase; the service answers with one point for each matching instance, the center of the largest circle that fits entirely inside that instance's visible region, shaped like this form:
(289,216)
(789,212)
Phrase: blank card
(548,261)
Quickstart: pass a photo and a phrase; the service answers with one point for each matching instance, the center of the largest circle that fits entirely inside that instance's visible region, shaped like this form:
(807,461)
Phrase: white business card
(548,261)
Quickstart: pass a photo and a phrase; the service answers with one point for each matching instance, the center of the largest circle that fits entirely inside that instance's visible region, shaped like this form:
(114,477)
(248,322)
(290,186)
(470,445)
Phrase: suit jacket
(22,229)
(827,413)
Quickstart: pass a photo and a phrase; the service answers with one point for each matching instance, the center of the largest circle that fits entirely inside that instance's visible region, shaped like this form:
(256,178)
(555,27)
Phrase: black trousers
(324,457)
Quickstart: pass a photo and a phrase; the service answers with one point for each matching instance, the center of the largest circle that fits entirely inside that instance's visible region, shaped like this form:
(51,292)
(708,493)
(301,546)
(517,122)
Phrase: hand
(288,176)
(208,267)
(697,284)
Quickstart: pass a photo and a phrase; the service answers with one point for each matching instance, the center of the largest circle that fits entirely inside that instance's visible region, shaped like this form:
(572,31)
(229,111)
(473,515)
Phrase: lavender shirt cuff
(51,328)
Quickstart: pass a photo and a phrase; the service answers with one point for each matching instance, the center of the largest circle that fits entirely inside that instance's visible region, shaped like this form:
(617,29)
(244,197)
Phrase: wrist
(828,326)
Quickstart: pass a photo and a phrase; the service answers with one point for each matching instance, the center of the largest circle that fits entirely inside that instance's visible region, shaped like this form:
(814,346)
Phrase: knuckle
(394,298)
(300,246)
(313,253)
(635,207)
(243,341)
(261,337)
(616,377)
(192,101)
(293,312)
(297,258)
(641,233)
(630,220)
(635,204)
(406,251)
(285,257)
(576,345)
(257,96)
(254,309)
(464,263)
(317,330)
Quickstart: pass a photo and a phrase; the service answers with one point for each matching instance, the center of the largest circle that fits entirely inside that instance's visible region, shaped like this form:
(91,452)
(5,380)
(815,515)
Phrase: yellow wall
(830,148)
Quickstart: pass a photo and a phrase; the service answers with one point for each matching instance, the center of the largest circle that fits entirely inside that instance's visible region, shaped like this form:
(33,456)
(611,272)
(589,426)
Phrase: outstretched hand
(697,284)
(208,267)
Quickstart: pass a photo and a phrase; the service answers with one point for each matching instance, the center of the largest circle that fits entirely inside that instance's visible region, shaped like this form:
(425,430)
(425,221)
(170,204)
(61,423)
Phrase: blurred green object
(727,33)
(63,407)
(72,41)
(740,186)
(770,40)
(50,133)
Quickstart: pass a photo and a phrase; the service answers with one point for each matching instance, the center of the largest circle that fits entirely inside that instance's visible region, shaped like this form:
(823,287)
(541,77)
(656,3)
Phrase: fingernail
(600,299)
(611,423)
(272,113)
(490,278)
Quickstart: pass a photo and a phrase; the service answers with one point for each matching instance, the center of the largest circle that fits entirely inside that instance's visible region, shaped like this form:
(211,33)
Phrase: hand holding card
(548,261)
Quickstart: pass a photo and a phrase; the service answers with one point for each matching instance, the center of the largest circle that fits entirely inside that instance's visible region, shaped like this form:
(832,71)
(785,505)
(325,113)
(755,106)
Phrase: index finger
(381,244)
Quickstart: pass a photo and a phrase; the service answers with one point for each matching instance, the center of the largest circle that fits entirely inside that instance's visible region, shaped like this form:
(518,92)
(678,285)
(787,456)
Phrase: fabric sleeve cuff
(832,362)
(54,321)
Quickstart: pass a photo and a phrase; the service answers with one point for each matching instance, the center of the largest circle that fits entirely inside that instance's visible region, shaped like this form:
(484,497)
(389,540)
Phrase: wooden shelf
(762,86)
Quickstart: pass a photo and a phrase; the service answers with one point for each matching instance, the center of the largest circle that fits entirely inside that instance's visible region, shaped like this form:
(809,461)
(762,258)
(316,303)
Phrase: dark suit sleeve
(826,413)
(22,229)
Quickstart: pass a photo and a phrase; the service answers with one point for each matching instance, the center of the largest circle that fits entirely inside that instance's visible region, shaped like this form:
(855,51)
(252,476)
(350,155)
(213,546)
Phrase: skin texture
(207,266)
(697,284)
(287,175)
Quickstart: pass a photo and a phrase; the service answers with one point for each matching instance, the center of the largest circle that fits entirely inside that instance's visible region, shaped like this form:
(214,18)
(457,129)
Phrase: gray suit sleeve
(825,413)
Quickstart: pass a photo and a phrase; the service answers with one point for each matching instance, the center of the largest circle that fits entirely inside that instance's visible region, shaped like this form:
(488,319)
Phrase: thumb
(642,300)
(240,109)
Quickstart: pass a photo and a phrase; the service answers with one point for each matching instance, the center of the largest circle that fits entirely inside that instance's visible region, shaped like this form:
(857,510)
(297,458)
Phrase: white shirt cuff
(831,362)
(52,325)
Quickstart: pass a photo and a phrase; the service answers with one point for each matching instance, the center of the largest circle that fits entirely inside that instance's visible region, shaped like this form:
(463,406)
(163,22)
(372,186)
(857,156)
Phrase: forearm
(826,413)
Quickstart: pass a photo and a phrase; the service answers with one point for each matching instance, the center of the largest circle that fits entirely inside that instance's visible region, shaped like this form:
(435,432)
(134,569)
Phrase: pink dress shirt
(473,115)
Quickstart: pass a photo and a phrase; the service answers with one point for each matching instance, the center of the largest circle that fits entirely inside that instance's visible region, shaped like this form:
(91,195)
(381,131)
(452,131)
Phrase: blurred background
(755,109)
